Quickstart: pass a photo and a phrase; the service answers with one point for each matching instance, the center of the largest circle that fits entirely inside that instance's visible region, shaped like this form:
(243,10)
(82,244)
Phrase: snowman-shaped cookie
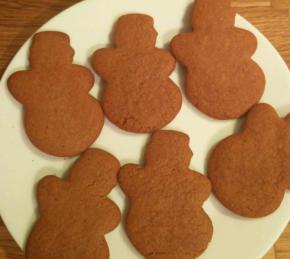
(222,79)
(138,96)
(250,170)
(165,219)
(60,117)
(76,214)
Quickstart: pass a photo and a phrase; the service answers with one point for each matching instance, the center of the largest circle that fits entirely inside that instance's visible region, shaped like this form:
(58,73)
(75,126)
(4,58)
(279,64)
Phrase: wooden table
(20,18)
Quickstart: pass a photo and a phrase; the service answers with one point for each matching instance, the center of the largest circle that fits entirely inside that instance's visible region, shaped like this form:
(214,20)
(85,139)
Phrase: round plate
(89,25)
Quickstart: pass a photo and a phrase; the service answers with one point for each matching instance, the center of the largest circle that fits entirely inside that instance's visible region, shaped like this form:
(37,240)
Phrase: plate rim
(77,5)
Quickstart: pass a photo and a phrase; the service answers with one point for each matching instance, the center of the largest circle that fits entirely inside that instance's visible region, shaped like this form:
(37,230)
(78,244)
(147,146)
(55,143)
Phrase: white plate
(89,25)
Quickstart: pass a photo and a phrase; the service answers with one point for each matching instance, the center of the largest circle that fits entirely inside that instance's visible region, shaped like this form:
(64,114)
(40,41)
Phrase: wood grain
(271,254)
(19,19)
(251,3)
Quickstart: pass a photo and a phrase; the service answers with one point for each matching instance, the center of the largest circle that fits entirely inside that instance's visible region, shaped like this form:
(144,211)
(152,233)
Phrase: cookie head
(46,45)
(212,14)
(135,31)
(165,145)
(96,170)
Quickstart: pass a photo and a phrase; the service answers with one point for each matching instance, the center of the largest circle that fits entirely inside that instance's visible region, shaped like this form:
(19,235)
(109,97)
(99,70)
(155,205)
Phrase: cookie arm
(109,216)
(182,46)
(84,77)
(245,42)
(48,191)
(130,178)
(18,86)
(164,62)
(201,185)
(104,63)
(261,118)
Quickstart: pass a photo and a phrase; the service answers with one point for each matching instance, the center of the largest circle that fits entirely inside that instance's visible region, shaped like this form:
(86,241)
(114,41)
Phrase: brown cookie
(250,171)
(165,217)
(60,117)
(222,79)
(139,95)
(76,214)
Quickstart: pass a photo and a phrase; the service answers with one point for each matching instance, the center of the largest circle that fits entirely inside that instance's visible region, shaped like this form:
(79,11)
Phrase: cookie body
(222,79)
(60,117)
(139,96)
(165,217)
(76,214)
(249,171)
